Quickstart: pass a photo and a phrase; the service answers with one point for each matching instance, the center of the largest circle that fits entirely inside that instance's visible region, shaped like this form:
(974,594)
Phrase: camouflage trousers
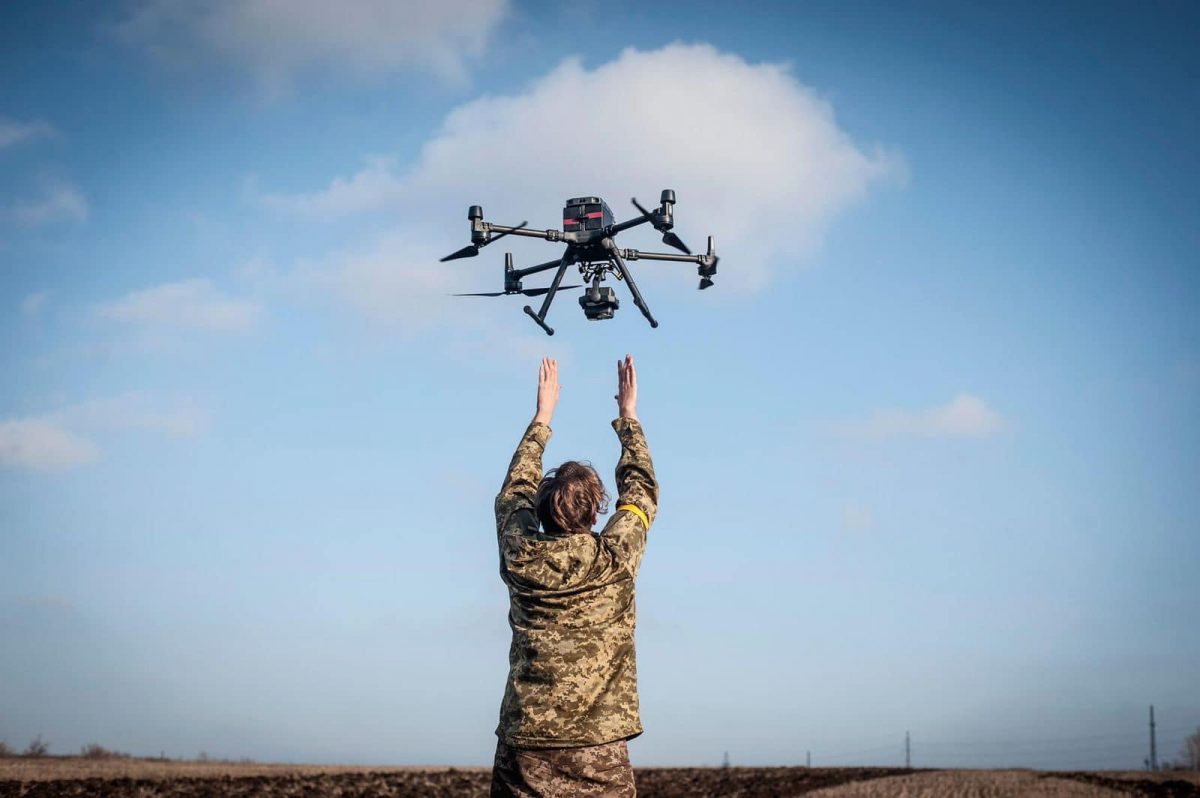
(602,771)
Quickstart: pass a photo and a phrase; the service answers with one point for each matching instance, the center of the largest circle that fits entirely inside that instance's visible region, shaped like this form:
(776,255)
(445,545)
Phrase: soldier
(571,701)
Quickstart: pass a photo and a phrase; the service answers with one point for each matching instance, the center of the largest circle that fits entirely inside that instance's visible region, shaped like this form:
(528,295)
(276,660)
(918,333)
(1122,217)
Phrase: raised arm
(515,502)
(637,501)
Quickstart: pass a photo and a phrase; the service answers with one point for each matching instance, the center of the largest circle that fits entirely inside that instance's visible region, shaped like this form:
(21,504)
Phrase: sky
(928,449)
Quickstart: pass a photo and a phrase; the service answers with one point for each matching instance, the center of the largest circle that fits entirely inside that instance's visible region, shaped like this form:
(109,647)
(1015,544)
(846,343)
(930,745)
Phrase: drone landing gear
(540,317)
(624,273)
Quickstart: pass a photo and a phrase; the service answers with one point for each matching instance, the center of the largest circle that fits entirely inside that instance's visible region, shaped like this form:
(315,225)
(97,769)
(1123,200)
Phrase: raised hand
(626,388)
(547,393)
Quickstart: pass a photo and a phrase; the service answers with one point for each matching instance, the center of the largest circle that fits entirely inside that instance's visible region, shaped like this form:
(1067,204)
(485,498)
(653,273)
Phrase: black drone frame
(595,252)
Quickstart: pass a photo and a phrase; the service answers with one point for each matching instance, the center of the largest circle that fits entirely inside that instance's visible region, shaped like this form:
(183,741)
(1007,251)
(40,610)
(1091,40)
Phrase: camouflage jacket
(572,676)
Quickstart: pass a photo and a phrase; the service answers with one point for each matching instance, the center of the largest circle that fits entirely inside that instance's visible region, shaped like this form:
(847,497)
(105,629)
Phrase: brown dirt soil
(55,768)
(747,782)
(126,778)
(996,783)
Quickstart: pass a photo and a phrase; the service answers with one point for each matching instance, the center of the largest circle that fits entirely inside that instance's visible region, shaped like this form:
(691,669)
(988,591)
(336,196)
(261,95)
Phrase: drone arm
(541,267)
(634,254)
(707,262)
(616,228)
(549,235)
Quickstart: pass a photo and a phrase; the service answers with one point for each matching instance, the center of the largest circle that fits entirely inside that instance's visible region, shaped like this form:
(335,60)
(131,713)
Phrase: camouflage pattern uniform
(596,771)
(572,678)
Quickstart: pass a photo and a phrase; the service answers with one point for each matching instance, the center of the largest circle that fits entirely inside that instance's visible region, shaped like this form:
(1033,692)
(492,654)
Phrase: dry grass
(996,783)
(967,784)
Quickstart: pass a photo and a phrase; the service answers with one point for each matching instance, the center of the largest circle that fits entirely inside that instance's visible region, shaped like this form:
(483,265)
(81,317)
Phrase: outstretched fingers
(547,390)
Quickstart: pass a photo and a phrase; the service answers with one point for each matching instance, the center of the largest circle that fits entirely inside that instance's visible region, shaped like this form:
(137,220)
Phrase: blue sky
(929,450)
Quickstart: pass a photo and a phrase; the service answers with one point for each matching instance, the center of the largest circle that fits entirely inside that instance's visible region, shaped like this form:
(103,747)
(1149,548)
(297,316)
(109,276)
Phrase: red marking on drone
(594,215)
(570,221)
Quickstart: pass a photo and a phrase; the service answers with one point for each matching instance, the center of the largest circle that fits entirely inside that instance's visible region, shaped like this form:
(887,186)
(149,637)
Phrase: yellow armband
(636,511)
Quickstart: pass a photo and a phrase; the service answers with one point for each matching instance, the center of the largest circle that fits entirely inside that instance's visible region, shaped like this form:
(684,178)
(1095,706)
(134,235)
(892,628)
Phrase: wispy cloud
(63,438)
(762,153)
(13,132)
(375,187)
(176,418)
(384,281)
(190,304)
(388,284)
(47,601)
(58,201)
(41,445)
(275,40)
(33,304)
(857,519)
(964,416)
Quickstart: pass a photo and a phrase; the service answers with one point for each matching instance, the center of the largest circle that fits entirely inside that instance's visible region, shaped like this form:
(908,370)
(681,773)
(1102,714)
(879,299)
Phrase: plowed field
(151,778)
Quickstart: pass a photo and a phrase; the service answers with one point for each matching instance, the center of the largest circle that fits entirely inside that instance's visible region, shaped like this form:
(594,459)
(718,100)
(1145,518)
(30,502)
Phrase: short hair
(570,497)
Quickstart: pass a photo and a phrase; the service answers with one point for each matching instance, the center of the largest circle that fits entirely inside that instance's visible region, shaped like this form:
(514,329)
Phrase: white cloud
(136,410)
(274,40)
(32,304)
(13,132)
(395,282)
(964,416)
(47,601)
(42,445)
(857,519)
(396,285)
(193,304)
(376,186)
(52,441)
(59,202)
(387,284)
(756,157)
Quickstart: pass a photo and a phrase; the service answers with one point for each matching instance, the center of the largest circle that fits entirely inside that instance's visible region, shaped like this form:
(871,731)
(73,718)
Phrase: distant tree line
(39,747)
(1189,757)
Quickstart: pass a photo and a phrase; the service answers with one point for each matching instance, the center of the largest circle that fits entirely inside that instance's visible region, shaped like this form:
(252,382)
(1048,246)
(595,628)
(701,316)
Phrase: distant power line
(1085,751)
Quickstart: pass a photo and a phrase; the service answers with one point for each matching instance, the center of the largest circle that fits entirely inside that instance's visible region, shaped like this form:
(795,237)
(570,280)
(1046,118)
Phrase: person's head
(570,498)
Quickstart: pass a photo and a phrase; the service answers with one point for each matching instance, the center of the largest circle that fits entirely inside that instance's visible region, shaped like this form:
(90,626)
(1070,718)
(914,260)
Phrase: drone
(588,231)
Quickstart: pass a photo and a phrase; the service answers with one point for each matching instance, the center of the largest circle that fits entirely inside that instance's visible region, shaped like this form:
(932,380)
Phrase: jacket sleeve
(637,502)
(515,502)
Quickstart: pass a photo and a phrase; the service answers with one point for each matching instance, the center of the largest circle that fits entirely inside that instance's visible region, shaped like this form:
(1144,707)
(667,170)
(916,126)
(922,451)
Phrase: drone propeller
(471,250)
(707,272)
(669,238)
(672,240)
(526,291)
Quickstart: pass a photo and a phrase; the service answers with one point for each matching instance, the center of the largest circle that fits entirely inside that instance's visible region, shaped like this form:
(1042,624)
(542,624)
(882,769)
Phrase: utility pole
(725,761)
(907,752)
(808,759)
(1153,746)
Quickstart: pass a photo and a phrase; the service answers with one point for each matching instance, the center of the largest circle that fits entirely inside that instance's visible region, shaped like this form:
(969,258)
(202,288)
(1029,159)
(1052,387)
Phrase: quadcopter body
(588,230)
